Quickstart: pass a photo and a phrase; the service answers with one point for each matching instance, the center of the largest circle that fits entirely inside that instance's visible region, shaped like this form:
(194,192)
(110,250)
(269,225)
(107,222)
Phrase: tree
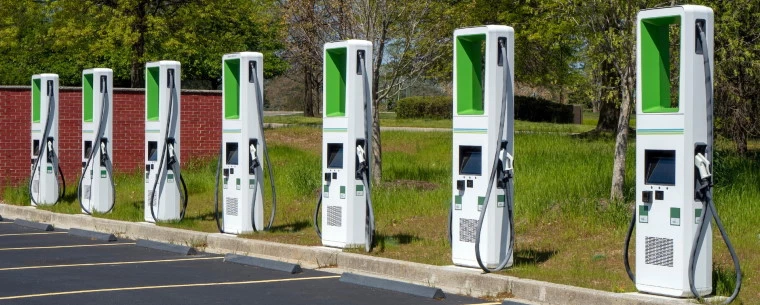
(137,18)
(204,30)
(546,47)
(609,29)
(67,36)
(24,41)
(737,62)
(408,39)
(309,23)
(406,36)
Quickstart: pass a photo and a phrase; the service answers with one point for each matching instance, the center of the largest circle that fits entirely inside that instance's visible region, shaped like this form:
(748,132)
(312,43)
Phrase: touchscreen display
(660,167)
(334,155)
(470,160)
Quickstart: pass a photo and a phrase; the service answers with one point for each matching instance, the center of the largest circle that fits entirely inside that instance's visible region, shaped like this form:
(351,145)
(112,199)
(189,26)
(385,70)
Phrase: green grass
(294,119)
(590,118)
(567,231)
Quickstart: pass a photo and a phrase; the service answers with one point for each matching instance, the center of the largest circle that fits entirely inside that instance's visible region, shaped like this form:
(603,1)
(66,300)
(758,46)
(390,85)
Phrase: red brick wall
(201,130)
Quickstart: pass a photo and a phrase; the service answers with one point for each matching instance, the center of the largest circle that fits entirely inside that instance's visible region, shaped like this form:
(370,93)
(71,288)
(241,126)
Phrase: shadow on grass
(533,257)
(381,240)
(724,280)
(69,197)
(291,227)
(201,217)
(138,204)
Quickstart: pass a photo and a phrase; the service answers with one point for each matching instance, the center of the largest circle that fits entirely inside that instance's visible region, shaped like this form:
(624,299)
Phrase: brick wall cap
(67,88)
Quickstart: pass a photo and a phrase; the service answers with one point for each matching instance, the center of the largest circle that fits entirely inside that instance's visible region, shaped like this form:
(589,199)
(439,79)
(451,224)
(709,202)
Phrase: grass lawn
(566,230)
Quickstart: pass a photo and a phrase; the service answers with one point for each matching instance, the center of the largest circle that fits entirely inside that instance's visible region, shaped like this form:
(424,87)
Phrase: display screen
(660,167)
(36,148)
(334,155)
(152,151)
(232,153)
(87,149)
(470,160)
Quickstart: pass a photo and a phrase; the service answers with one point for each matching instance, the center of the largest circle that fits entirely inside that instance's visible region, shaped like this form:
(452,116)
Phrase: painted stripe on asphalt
(110,263)
(61,247)
(35,233)
(28,296)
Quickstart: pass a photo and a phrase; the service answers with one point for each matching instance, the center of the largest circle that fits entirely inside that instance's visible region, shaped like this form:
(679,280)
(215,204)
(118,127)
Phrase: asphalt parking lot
(39,267)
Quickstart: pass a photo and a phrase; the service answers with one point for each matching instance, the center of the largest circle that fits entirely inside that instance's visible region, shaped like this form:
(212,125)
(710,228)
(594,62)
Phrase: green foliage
(18,194)
(428,107)
(24,41)
(532,109)
(203,31)
(536,109)
(737,62)
(67,36)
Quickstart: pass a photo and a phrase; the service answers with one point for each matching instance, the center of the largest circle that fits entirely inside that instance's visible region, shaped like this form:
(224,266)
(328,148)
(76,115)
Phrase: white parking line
(35,233)
(111,263)
(27,296)
(62,247)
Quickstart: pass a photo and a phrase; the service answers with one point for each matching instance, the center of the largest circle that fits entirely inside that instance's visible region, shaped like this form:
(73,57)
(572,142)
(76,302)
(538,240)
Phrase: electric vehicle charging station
(481,219)
(674,148)
(96,190)
(243,135)
(345,199)
(165,190)
(43,185)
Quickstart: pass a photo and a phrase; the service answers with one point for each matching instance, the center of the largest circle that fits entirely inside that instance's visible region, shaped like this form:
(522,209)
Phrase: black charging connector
(360,166)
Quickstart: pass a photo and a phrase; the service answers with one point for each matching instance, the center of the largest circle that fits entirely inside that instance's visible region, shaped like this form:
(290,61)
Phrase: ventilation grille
(659,251)
(467,228)
(35,186)
(232,206)
(86,192)
(334,215)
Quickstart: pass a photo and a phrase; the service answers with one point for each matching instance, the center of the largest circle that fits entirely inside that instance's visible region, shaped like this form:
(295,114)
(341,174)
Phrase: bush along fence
(527,108)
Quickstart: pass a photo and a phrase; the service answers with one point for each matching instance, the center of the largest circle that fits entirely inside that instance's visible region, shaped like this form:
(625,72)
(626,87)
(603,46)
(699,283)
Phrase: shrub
(424,107)
(533,109)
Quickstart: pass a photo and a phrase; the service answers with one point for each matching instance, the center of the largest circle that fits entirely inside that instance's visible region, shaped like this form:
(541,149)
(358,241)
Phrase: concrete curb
(263,263)
(413,289)
(34,225)
(184,250)
(449,279)
(92,234)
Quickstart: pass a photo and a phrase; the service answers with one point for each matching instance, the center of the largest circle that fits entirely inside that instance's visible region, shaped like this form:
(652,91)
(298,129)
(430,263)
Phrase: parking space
(39,267)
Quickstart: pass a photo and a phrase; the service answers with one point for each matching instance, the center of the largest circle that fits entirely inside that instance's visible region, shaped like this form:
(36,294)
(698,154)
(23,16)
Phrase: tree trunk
(741,144)
(377,151)
(308,98)
(621,139)
(316,86)
(140,26)
(609,110)
(609,116)
(739,136)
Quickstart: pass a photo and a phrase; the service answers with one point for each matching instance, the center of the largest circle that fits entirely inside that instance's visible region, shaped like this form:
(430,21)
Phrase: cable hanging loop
(501,155)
